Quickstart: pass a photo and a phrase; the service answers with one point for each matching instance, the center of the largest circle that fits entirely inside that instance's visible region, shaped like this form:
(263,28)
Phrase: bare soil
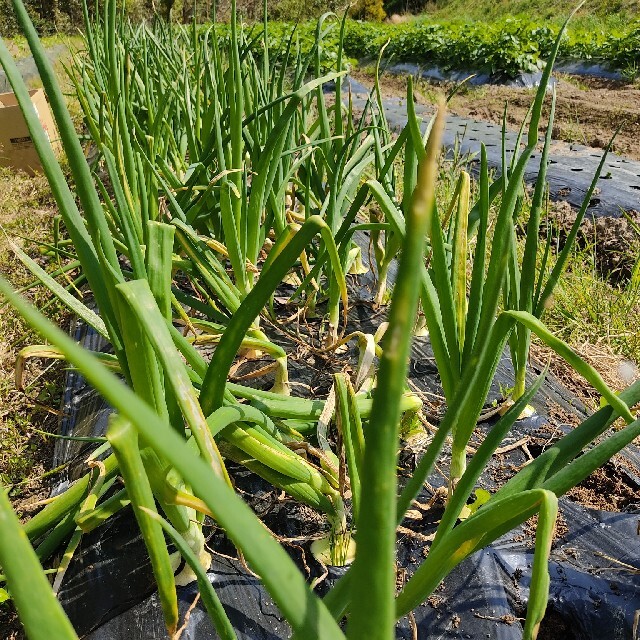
(617,371)
(588,110)
(616,240)
(608,488)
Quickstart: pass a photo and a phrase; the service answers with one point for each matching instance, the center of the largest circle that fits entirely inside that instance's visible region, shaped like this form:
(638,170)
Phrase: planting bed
(501,48)
(589,108)
(588,111)
(572,165)
(595,585)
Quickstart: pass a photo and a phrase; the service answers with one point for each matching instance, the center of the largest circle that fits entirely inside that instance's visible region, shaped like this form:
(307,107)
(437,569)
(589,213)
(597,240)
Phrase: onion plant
(207,169)
(181,128)
(461,302)
(243,146)
(129,253)
(527,287)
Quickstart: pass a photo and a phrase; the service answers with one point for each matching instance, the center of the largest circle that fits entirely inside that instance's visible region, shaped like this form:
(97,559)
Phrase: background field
(51,16)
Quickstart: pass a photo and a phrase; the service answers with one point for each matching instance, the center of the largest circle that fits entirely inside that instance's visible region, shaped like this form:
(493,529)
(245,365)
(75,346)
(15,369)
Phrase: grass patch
(595,13)
(588,310)
(19,48)
(26,210)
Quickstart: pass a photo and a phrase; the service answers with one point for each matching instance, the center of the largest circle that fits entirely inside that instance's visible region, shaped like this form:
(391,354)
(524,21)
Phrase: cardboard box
(16,147)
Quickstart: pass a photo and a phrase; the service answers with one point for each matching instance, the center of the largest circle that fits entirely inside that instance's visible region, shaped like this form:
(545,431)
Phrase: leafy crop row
(506,47)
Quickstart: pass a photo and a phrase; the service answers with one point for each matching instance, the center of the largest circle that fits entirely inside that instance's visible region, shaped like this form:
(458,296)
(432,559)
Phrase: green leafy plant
(156,251)
(136,302)
(506,46)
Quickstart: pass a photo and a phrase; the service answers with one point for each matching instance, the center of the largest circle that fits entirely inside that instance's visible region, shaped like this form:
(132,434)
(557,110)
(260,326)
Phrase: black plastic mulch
(108,590)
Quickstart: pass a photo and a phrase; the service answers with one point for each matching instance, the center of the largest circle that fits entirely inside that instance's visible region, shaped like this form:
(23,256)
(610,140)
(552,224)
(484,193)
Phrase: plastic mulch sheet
(109,593)
(571,169)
